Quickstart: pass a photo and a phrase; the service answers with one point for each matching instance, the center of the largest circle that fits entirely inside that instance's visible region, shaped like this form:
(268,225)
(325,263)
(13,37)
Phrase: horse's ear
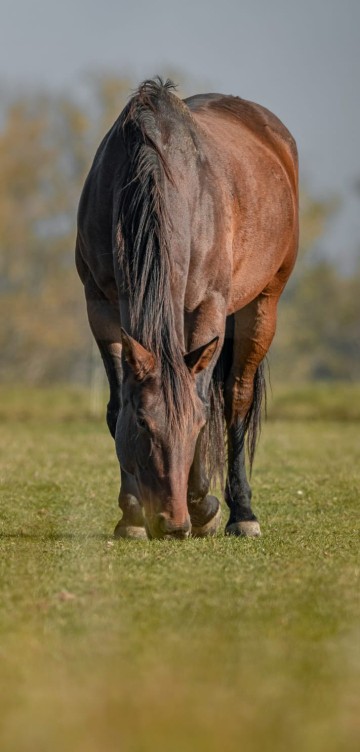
(198,359)
(141,361)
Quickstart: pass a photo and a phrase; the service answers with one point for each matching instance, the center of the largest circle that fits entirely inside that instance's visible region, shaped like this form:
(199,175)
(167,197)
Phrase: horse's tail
(252,423)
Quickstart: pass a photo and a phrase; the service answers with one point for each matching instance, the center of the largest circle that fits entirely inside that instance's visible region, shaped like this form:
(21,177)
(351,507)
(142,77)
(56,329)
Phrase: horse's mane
(143,239)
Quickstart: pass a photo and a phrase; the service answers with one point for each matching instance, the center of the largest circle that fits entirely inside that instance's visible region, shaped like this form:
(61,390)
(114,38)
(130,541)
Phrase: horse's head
(157,451)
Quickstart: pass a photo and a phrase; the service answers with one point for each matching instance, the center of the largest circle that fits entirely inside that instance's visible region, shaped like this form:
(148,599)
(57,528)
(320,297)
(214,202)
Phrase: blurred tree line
(47,143)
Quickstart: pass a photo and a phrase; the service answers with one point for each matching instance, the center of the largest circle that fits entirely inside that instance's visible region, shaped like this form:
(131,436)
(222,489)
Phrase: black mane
(143,240)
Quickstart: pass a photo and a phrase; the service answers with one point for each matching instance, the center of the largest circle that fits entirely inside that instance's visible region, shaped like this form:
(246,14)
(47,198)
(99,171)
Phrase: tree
(319,313)
(46,147)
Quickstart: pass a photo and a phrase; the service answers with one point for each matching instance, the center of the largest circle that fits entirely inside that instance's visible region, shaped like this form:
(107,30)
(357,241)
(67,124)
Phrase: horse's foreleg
(132,523)
(204,510)
(254,330)
(104,321)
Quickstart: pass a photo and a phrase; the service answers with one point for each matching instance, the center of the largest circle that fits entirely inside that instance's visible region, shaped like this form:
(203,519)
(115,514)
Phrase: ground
(220,644)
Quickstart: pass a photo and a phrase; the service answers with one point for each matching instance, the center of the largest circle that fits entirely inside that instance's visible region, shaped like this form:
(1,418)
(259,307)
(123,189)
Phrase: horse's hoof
(209,528)
(245,529)
(134,532)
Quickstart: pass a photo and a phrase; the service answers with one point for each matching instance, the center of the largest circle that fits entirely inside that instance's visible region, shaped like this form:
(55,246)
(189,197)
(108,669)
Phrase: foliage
(195,645)
(319,325)
(46,148)
(47,142)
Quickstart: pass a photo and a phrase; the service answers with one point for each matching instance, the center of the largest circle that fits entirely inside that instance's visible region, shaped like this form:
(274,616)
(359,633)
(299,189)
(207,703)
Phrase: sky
(299,58)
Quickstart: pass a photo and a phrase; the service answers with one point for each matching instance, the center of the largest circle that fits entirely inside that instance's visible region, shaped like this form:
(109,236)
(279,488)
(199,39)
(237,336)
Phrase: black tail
(252,423)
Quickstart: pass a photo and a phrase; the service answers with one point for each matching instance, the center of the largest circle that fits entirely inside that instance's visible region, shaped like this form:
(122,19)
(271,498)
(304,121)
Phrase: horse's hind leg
(105,325)
(254,330)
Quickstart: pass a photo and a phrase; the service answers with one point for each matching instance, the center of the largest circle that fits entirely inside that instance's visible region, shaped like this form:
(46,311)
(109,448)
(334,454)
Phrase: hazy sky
(300,58)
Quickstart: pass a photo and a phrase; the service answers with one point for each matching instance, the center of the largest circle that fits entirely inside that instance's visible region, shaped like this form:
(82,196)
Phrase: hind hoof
(133,532)
(244,529)
(208,528)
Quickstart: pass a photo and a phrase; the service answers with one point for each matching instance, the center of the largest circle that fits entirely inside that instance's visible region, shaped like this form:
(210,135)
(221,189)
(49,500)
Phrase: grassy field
(202,645)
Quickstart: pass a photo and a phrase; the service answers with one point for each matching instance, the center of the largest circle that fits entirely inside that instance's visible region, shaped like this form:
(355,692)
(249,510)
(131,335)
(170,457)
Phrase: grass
(216,644)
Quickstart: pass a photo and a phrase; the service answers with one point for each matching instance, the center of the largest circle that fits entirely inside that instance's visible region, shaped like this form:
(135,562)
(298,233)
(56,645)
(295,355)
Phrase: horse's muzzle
(161,526)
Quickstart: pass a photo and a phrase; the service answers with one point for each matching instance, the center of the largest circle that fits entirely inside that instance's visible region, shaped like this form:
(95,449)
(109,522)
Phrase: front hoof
(134,532)
(211,526)
(244,529)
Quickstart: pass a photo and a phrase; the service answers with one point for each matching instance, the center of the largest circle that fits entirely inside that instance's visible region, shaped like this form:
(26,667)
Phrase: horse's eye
(141,422)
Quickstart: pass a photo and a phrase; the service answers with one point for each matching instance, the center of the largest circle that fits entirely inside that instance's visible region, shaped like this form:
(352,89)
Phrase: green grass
(219,644)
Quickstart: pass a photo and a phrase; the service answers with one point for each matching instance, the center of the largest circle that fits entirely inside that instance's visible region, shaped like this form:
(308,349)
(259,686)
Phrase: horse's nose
(164,527)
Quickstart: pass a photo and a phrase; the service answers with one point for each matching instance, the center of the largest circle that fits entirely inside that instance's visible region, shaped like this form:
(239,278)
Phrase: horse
(187,235)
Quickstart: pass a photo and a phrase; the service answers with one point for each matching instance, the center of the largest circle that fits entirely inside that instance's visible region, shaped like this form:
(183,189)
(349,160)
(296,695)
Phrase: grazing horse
(187,234)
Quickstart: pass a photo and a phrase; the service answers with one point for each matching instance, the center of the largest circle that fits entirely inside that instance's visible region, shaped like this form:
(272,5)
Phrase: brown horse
(187,234)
